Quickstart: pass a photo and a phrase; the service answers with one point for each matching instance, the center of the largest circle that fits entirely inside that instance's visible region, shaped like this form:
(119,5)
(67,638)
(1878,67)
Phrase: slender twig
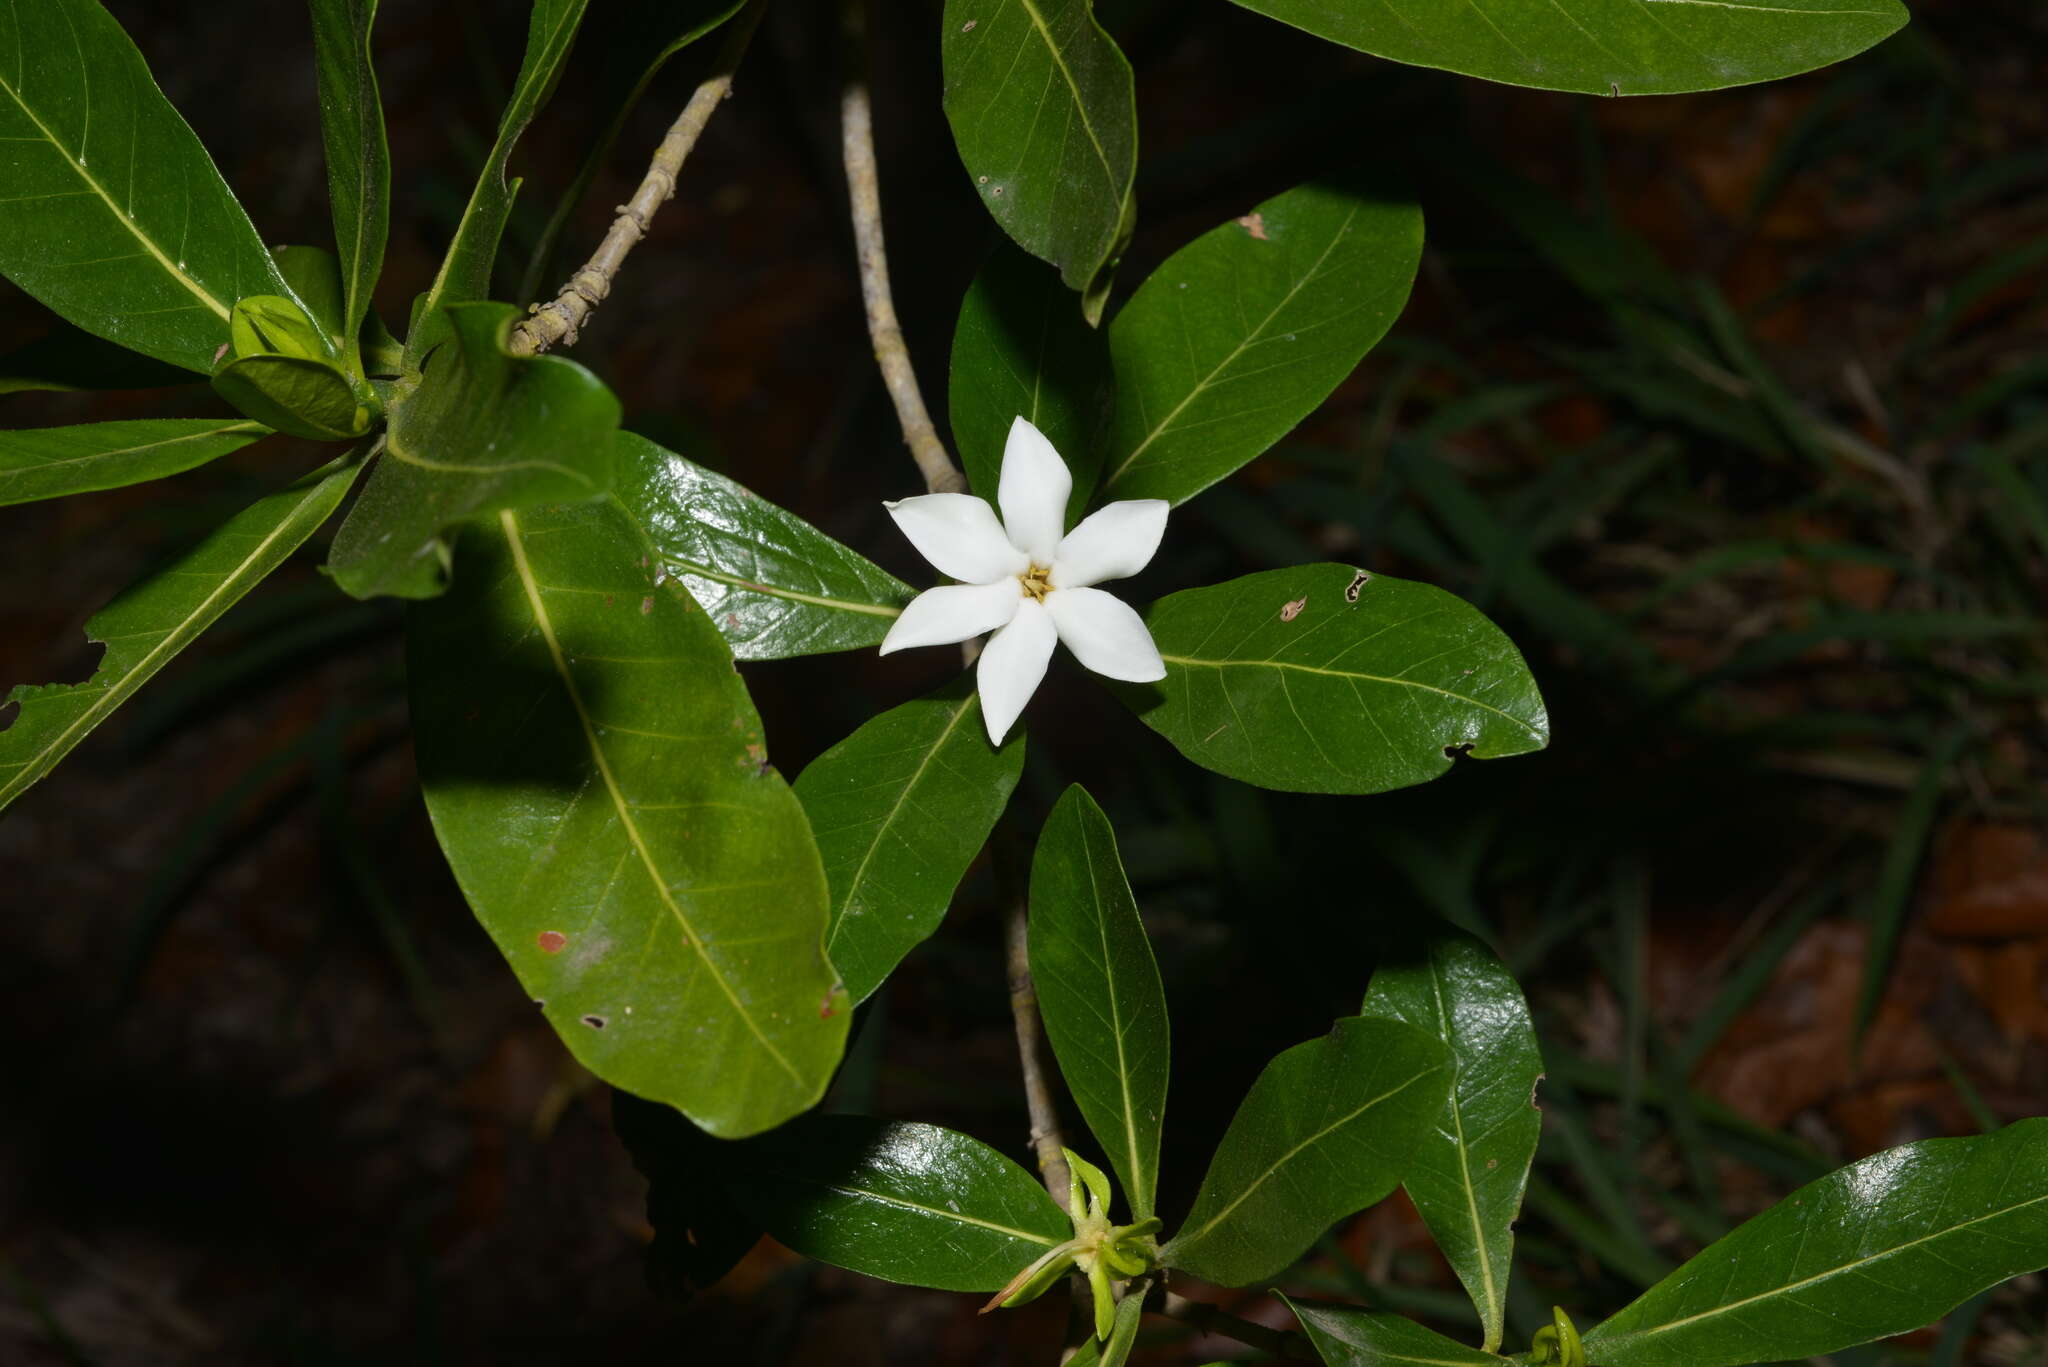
(1045,1120)
(558,322)
(1214,1319)
(863,186)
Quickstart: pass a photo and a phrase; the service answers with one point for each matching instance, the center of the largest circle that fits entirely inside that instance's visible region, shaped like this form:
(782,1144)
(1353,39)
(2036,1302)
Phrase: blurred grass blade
(1896,876)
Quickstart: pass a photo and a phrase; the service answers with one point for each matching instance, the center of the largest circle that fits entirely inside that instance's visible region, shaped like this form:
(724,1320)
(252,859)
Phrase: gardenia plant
(1029,580)
(700,932)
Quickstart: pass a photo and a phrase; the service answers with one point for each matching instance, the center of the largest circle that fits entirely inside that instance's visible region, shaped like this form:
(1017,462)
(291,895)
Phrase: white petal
(1105,634)
(1113,542)
(1012,663)
(1033,492)
(954,612)
(959,534)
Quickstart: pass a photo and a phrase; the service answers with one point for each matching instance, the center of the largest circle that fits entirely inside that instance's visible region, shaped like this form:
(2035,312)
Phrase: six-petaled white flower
(1026,582)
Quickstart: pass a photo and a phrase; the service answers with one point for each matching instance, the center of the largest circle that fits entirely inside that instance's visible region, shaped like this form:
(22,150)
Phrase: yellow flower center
(1034,582)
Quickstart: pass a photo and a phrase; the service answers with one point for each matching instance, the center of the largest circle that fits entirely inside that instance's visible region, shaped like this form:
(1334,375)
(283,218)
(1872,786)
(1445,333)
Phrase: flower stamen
(1035,582)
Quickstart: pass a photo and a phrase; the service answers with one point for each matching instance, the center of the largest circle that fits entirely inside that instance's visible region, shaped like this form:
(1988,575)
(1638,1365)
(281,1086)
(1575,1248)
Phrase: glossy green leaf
(1880,1247)
(1603,47)
(1242,333)
(1324,679)
(597,778)
(154,619)
(465,272)
(1346,1336)
(358,158)
(904,1202)
(776,585)
(1021,350)
(71,358)
(482,430)
(50,462)
(304,397)
(900,808)
(1469,1172)
(1329,1128)
(1042,110)
(1099,991)
(110,210)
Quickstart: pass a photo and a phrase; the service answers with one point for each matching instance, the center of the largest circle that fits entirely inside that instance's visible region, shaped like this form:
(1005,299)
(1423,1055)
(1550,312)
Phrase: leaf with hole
(1880,1247)
(1042,108)
(1603,47)
(1329,1128)
(1469,1171)
(1099,991)
(1021,350)
(775,585)
(900,809)
(50,462)
(152,620)
(597,777)
(1326,679)
(904,1202)
(1244,332)
(481,431)
(111,212)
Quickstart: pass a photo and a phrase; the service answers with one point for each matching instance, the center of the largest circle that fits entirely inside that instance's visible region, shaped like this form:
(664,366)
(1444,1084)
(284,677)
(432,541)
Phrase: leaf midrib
(531,585)
(697,567)
(1141,1181)
(124,219)
(1636,1335)
(883,1198)
(254,428)
(1489,1314)
(1074,88)
(1196,1236)
(895,809)
(1202,386)
(1350,674)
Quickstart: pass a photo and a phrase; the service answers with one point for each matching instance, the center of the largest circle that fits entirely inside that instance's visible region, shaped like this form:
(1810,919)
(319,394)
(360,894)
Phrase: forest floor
(1732,409)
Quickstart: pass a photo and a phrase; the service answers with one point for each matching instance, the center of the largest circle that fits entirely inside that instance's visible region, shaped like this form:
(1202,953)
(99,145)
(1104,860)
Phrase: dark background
(1728,407)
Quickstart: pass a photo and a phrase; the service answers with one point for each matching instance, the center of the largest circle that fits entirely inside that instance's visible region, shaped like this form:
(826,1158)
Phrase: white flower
(1023,580)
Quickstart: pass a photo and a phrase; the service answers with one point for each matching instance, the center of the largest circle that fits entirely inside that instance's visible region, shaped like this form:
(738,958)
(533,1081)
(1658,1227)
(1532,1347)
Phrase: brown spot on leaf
(647,605)
(595,1022)
(1290,611)
(551,941)
(1358,582)
(1255,224)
